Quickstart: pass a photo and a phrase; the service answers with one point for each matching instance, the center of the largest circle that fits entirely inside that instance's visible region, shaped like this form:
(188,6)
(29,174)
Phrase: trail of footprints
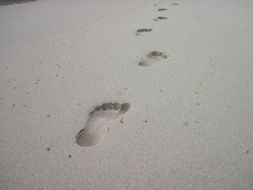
(153,56)
(106,114)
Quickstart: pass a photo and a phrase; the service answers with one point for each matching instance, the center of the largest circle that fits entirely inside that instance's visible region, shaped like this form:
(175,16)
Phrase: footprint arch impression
(98,123)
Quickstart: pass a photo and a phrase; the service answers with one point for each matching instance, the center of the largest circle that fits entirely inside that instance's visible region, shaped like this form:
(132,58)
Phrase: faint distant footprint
(98,123)
(139,31)
(153,57)
(160,18)
(162,9)
(174,4)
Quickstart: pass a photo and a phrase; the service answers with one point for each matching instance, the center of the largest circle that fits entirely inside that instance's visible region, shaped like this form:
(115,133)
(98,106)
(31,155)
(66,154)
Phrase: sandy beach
(136,94)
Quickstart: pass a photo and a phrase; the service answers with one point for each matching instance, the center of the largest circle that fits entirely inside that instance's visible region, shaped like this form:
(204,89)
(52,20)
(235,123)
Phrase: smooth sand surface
(190,125)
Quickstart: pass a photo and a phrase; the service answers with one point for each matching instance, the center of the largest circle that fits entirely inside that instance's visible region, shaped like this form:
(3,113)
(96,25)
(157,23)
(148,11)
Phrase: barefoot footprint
(160,18)
(142,30)
(174,4)
(153,57)
(98,123)
(162,9)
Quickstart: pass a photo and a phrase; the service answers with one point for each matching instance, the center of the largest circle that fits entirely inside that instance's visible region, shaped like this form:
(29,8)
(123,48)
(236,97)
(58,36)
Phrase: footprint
(174,4)
(162,9)
(153,57)
(98,123)
(139,31)
(15,2)
(160,18)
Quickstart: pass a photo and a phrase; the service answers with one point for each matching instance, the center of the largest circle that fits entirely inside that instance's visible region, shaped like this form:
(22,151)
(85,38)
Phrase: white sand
(197,104)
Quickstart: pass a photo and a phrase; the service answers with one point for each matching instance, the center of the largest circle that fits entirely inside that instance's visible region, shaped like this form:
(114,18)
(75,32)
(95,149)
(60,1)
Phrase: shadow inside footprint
(98,123)
(160,18)
(157,54)
(143,30)
(162,9)
(153,57)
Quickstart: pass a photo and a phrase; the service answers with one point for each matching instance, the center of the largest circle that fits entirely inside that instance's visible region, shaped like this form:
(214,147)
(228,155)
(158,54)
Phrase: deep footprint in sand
(153,57)
(98,123)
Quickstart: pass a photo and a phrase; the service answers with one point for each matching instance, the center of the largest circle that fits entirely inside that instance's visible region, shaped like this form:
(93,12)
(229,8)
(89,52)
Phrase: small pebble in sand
(48,148)
(48,115)
(186,124)
(146,121)
(69,156)
(247,151)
